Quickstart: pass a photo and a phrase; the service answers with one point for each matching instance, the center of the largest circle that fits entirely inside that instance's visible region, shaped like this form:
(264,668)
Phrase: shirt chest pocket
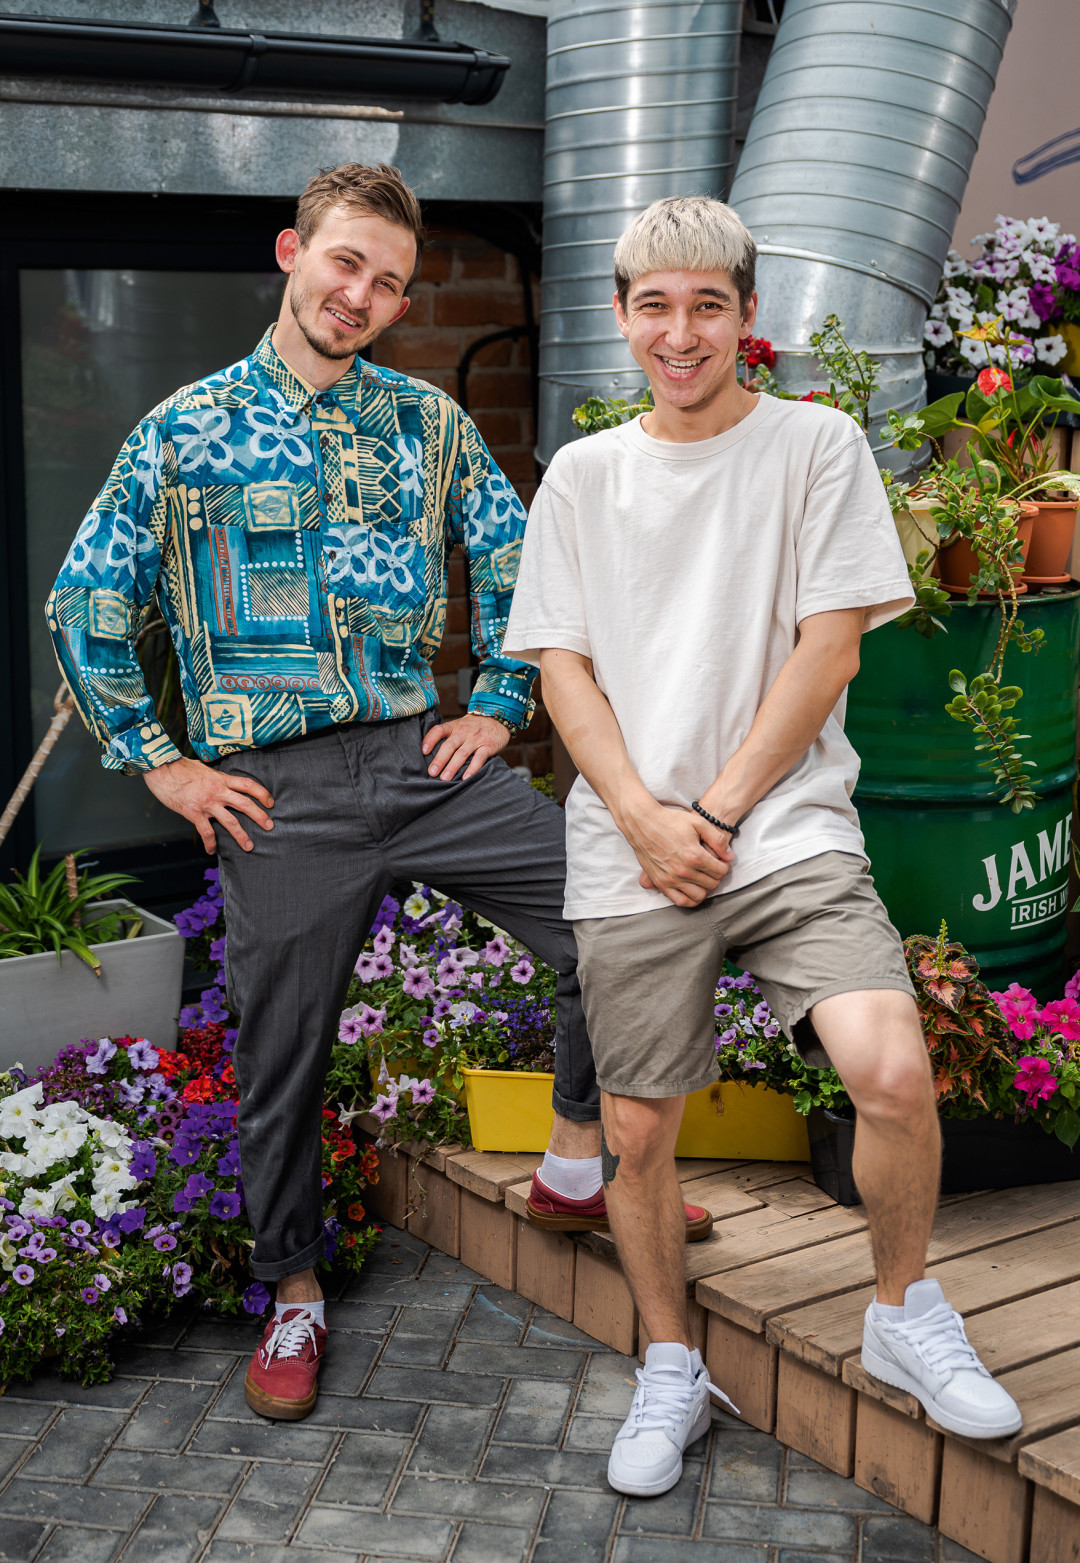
(383,565)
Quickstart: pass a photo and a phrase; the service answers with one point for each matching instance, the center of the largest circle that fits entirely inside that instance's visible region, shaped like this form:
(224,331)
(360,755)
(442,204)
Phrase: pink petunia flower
(384,966)
(496,951)
(385,1107)
(1019,1007)
(523,971)
(423,1092)
(1062,1016)
(450,970)
(418,983)
(1036,1079)
(407,956)
(372,1021)
(366,969)
(1072,987)
(383,941)
(350,1030)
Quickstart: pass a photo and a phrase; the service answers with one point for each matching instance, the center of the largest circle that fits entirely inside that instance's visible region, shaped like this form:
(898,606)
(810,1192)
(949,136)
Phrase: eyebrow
(720,293)
(360,256)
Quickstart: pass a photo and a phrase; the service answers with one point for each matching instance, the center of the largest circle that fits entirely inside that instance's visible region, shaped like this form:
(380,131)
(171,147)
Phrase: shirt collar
(345,393)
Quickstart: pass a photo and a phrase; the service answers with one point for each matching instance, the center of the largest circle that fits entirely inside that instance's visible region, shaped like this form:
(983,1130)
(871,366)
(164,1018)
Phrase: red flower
(991,380)
(820,396)
(356,1211)
(756,350)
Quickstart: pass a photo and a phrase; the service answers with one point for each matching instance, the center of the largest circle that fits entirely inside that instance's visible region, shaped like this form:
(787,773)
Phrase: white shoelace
(661,1403)
(290,1337)
(939,1338)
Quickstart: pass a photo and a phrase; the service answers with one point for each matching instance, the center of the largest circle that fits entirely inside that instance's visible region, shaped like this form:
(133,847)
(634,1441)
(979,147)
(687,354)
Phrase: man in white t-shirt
(694,585)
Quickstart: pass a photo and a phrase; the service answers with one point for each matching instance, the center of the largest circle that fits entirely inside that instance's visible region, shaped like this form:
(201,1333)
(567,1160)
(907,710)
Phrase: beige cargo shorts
(648,981)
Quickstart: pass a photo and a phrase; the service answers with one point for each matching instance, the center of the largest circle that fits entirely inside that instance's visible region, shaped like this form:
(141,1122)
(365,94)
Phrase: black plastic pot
(979,1153)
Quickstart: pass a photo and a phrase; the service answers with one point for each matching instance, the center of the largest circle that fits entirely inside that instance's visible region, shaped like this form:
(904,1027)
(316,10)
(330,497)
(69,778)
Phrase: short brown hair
(378,190)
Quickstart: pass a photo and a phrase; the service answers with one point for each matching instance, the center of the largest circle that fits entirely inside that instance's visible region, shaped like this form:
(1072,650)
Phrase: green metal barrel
(940,846)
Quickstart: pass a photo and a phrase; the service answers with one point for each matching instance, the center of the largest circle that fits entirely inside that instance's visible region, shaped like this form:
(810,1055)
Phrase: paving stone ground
(456,1422)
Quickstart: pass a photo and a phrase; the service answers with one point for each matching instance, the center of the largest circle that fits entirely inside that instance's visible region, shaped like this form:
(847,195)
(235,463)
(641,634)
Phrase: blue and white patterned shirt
(297,543)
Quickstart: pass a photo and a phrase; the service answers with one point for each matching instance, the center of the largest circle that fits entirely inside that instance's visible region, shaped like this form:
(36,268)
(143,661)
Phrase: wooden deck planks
(1048,1394)
(760,1291)
(826,1333)
(1055,1463)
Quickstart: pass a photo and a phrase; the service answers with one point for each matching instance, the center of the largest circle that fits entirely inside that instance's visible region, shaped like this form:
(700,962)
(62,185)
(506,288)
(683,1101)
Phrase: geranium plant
(1027,272)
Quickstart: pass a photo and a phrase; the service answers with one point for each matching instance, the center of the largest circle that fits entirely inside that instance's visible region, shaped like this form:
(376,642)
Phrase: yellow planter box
(511,1111)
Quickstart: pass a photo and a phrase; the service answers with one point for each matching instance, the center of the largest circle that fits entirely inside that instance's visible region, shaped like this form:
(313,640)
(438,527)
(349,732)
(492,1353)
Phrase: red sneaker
(558,1214)
(280,1381)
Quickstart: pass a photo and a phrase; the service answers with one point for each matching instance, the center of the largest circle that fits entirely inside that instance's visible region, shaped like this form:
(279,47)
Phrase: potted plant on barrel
(1008,438)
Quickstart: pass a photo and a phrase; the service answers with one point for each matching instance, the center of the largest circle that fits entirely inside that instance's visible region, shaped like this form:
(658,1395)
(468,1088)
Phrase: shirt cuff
(505,694)
(140,749)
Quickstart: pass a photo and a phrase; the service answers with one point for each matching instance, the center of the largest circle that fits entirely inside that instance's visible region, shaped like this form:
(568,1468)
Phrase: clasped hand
(681,854)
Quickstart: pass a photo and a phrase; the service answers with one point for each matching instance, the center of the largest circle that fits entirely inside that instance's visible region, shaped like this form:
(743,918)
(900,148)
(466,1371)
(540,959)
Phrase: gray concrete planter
(47,1004)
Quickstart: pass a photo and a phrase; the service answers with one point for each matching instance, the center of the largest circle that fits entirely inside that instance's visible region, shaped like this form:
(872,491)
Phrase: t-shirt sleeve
(548,610)
(847,550)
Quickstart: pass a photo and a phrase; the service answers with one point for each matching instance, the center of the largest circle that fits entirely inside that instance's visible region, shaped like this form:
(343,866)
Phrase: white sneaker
(670,1411)
(928,1354)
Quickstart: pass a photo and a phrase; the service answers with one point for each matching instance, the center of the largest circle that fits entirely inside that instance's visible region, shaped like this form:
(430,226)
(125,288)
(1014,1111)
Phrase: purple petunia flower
(197,1185)
(441,1009)
(523,971)
(229,1165)
(24,1274)
(214,1007)
(109,1236)
(228,1041)
(430,1037)
(131,1220)
(350,1030)
(97,1062)
(217,951)
(143,1056)
(722,1011)
(120,1314)
(224,1205)
(165,1243)
(185,1151)
(81,1228)
(496,951)
(191,1015)
(89,1295)
(372,1021)
(103,1283)
(423,1092)
(143,1161)
(365,968)
(256,1298)
(762,1014)
(181,1274)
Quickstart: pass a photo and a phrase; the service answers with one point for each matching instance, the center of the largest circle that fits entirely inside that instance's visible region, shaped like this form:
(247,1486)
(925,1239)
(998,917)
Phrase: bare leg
(575,1141)
(876,1045)
(644,1203)
(299,1288)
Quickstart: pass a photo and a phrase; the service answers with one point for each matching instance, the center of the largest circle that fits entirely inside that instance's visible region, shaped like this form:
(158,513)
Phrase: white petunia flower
(67,1139)
(1042,229)
(416,906)
(955,265)
(1051,348)
(17,1113)
(959,296)
(65,1194)
(37,1202)
(972,351)
(1042,267)
(937,333)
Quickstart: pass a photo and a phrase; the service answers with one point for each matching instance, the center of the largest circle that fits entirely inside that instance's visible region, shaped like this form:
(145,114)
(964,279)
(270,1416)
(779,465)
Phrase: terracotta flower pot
(958,562)
(1051,542)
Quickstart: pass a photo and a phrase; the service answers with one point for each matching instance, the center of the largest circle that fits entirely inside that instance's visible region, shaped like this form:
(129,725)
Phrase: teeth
(682,363)
(343,318)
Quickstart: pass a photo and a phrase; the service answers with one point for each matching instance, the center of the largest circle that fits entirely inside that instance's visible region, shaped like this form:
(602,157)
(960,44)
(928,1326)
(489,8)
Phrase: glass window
(100,349)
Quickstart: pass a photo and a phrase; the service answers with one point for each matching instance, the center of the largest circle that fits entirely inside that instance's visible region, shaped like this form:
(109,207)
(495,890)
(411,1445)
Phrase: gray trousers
(354,811)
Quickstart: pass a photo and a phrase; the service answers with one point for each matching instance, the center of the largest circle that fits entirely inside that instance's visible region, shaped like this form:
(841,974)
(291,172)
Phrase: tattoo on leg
(608,1163)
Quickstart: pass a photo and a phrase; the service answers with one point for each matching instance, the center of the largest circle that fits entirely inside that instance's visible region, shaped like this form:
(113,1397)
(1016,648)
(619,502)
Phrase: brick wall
(468,289)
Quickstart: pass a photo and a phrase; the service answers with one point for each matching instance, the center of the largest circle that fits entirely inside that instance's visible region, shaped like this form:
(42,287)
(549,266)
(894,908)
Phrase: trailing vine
(983,705)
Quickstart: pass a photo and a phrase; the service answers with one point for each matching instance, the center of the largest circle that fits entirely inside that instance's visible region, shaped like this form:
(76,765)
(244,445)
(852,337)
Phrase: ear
(620,316)
(287,247)
(749,316)
(402,307)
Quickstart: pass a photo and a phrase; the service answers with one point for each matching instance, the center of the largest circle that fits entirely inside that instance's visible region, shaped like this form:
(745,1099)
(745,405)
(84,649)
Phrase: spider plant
(38,914)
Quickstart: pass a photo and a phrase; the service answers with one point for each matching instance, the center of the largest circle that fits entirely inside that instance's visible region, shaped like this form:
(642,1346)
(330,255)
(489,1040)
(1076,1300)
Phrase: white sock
(574,1177)
(888,1311)
(316,1309)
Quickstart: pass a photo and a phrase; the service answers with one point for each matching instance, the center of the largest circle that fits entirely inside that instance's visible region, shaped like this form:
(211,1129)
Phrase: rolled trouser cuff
(576,1112)
(278,1269)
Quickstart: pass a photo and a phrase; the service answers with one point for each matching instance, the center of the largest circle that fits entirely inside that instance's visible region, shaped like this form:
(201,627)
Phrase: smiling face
(684,329)
(345,285)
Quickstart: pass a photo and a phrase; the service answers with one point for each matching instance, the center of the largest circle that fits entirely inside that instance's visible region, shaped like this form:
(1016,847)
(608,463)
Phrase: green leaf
(958,682)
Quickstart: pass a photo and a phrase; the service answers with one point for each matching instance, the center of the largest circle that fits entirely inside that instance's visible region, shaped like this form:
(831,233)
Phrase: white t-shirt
(682,571)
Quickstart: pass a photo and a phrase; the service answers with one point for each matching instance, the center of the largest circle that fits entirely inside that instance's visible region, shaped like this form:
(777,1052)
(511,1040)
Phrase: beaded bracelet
(732,830)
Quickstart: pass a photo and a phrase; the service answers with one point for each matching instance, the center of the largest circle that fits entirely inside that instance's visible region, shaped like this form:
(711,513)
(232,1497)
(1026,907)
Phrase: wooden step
(1054,1463)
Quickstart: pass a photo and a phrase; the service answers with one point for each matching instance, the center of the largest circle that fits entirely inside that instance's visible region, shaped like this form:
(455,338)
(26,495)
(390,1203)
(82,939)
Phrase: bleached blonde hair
(686,233)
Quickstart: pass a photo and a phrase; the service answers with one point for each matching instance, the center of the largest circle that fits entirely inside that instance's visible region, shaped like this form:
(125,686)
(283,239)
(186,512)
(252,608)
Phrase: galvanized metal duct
(853,173)
(640,104)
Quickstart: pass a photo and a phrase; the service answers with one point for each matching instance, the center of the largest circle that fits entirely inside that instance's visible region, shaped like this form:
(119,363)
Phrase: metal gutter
(231,60)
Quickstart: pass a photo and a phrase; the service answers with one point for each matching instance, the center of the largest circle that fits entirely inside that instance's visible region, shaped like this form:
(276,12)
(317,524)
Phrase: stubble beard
(304,311)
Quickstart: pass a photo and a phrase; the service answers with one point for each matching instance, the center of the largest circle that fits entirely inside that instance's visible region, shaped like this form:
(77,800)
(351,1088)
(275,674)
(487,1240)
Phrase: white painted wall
(1037,97)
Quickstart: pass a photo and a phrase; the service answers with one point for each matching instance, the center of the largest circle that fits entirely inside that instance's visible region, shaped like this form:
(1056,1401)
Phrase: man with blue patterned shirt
(293,516)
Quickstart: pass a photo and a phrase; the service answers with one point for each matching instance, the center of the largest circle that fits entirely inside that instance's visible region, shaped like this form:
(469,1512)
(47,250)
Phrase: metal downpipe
(640,104)
(853,172)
